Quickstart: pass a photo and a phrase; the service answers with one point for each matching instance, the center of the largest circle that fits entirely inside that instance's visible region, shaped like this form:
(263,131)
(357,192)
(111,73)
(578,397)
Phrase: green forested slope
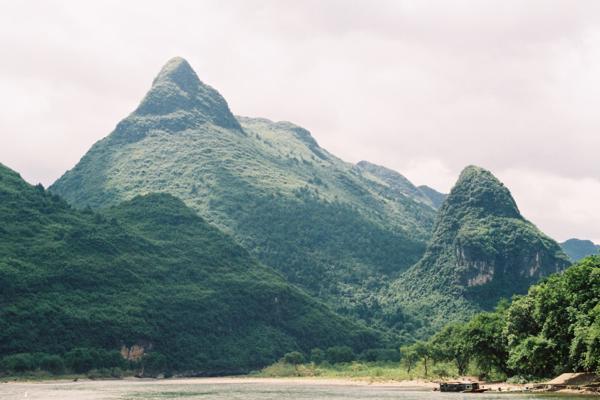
(327,225)
(148,272)
(577,249)
(437,198)
(482,250)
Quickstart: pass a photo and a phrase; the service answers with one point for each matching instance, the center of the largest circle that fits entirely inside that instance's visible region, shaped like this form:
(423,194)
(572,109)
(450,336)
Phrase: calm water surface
(210,390)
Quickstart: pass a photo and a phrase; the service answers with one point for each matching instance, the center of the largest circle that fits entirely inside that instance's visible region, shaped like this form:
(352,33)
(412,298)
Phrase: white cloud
(425,87)
(562,207)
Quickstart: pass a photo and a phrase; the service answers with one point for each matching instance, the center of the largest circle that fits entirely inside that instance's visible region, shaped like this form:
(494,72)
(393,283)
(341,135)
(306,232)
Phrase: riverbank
(248,388)
(415,384)
(84,388)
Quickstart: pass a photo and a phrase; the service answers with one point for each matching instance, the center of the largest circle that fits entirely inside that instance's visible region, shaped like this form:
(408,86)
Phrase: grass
(383,371)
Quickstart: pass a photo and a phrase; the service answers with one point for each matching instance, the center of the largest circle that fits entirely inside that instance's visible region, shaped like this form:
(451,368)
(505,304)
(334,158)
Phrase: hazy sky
(424,87)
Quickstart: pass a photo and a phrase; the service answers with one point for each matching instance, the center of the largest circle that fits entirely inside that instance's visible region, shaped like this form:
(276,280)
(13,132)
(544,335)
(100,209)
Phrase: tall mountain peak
(178,99)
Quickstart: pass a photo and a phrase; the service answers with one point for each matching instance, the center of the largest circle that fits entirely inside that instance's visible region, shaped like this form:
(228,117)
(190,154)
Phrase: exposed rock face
(482,250)
(135,352)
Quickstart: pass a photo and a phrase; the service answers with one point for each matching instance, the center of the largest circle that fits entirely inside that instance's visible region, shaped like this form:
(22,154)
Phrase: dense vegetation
(150,274)
(77,286)
(555,328)
(340,231)
(482,250)
(577,249)
(437,198)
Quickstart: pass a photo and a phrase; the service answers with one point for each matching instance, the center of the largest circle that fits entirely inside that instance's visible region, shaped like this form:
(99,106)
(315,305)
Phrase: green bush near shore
(79,361)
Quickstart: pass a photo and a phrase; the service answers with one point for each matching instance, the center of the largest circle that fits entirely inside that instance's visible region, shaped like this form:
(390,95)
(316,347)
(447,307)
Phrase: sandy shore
(84,389)
(418,384)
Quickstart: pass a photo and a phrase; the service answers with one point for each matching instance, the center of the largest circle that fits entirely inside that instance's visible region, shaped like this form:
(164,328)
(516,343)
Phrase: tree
(52,363)
(452,344)
(317,356)
(80,360)
(409,357)
(534,355)
(488,344)
(293,358)
(423,352)
(21,362)
(153,363)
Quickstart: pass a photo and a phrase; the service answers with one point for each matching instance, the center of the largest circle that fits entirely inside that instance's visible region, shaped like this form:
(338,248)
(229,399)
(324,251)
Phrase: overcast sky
(423,87)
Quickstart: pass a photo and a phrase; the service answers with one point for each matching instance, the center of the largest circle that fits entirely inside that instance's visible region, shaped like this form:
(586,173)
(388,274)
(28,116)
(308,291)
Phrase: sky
(422,87)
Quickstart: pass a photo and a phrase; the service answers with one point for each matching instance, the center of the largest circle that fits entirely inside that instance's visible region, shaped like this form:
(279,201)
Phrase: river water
(211,389)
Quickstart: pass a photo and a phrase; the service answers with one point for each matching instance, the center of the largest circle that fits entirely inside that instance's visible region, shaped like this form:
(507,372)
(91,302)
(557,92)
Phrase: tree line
(81,360)
(554,328)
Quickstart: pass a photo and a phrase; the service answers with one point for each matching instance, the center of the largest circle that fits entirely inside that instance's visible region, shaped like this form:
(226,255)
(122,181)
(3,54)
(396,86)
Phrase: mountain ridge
(578,249)
(330,228)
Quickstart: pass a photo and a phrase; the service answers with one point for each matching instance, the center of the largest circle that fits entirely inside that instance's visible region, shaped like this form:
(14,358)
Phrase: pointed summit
(178,71)
(479,191)
(180,100)
(482,250)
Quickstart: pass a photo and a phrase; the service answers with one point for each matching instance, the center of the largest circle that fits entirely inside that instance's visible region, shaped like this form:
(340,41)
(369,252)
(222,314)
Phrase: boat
(461,387)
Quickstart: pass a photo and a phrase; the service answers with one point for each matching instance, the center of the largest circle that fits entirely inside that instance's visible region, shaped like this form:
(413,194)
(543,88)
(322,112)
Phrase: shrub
(372,355)
(18,362)
(154,363)
(80,360)
(52,363)
(109,359)
(339,354)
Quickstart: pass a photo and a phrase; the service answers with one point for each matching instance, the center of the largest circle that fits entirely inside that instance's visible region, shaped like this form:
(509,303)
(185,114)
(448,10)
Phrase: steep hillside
(482,250)
(577,249)
(437,198)
(395,183)
(149,272)
(328,226)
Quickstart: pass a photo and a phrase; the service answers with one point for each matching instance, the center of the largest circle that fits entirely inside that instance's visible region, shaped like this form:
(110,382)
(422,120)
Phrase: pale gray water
(219,390)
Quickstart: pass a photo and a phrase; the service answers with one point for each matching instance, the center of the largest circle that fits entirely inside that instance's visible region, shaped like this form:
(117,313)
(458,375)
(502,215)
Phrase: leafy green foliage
(409,357)
(52,363)
(317,355)
(339,354)
(453,344)
(436,198)
(373,355)
(553,329)
(150,273)
(293,357)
